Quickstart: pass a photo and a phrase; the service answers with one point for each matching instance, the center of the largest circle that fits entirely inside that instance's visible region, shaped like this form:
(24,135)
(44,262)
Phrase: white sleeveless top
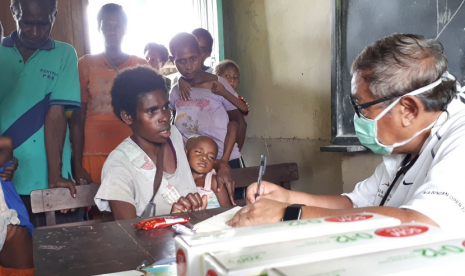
(128,175)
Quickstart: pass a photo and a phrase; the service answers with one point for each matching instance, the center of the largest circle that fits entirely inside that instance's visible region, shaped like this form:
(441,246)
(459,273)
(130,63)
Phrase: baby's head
(156,55)
(229,70)
(201,152)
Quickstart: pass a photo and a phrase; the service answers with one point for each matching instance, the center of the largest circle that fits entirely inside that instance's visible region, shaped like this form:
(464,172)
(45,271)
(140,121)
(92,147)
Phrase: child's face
(205,51)
(202,156)
(153,115)
(153,59)
(232,76)
(187,61)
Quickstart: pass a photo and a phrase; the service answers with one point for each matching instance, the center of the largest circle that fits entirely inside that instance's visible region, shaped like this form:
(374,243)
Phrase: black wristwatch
(293,212)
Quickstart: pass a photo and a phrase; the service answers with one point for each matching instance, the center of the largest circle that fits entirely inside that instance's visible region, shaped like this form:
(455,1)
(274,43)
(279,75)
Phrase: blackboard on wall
(358,23)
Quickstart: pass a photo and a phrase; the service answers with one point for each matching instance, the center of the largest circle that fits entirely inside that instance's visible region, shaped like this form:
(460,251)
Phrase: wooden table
(103,247)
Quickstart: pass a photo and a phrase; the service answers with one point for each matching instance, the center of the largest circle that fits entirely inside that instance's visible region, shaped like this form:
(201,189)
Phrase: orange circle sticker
(349,218)
(181,262)
(401,231)
(211,273)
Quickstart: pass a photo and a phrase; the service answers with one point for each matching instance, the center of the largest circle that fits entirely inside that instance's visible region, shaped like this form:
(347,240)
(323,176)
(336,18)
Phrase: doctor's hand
(191,202)
(267,190)
(263,211)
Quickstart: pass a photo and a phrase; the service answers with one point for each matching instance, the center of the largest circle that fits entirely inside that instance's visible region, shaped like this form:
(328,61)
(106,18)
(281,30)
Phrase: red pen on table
(155,223)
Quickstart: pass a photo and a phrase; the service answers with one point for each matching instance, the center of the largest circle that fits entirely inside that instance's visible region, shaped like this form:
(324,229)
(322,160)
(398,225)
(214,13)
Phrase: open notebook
(217,222)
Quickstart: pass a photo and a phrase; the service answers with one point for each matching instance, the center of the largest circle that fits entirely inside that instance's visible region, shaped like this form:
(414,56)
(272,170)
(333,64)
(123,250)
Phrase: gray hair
(401,63)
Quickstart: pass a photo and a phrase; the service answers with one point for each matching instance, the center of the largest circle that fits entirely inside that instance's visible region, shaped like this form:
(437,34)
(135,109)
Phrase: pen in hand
(261,172)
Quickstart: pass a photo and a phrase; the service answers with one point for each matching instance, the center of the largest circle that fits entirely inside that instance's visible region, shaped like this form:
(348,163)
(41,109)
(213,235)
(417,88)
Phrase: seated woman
(139,99)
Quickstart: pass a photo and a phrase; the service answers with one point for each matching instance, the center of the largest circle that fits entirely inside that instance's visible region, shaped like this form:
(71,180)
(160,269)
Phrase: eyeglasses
(358,107)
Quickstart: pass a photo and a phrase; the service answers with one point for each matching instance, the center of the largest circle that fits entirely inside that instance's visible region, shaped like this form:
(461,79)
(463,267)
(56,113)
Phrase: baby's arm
(219,89)
(223,197)
(229,140)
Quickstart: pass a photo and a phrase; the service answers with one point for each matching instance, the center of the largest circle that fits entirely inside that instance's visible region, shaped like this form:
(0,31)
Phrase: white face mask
(367,129)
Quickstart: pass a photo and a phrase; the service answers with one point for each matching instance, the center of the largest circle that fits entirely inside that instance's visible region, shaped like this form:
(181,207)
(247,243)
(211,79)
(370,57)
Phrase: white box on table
(255,260)
(441,258)
(189,249)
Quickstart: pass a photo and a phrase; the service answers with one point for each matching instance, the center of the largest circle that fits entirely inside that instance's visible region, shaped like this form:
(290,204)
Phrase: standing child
(205,113)
(201,152)
(205,40)
(229,70)
(157,56)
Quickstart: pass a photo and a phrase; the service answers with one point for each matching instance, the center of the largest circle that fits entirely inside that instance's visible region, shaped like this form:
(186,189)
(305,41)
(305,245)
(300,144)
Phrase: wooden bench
(280,174)
(51,200)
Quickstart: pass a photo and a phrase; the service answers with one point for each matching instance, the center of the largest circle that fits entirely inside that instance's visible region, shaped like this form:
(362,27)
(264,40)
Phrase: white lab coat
(435,184)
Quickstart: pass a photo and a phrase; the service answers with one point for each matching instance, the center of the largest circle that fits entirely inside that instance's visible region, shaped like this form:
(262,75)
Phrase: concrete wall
(284,51)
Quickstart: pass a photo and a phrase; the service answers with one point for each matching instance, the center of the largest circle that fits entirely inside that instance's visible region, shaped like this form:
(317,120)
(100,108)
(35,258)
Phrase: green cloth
(49,77)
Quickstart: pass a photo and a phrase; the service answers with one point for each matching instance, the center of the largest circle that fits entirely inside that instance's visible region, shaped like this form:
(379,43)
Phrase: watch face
(292,212)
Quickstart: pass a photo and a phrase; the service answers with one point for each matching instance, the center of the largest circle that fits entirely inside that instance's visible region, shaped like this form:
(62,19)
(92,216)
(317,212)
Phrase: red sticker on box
(402,231)
(463,243)
(349,218)
(181,262)
(211,273)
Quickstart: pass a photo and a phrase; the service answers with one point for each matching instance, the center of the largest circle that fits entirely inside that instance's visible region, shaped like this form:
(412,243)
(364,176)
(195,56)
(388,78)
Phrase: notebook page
(217,222)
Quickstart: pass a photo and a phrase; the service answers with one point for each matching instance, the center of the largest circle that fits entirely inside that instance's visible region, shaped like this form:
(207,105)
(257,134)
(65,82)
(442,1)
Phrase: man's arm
(275,192)
(55,132)
(404,215)
(268,211)
(77,141)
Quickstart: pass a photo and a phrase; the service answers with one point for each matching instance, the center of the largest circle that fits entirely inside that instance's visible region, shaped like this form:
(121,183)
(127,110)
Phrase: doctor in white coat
(407,108)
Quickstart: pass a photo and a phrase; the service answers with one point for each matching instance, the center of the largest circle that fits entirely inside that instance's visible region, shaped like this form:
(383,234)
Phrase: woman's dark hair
(160,49)
(130,85)
(111,8)
(183,39)
(200,32)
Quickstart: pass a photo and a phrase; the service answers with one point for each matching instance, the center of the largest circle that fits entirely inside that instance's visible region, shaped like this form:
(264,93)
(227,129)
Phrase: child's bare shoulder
(6,144)
(214,183)
(6,150)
